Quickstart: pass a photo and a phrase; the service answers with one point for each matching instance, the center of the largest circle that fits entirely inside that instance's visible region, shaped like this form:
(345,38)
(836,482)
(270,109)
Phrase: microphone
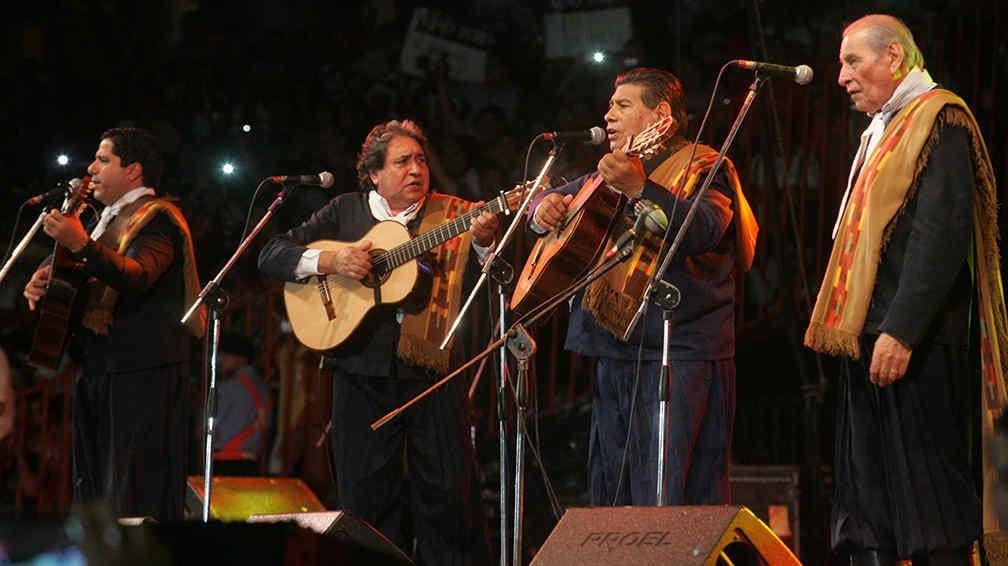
(324,179)
(52,193)
(593,136)
(650,218)
(802,74)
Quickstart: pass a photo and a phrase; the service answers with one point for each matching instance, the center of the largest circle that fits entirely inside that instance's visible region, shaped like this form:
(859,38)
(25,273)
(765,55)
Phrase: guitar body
(326,310)
(62,303)
(561,257)
(60,306)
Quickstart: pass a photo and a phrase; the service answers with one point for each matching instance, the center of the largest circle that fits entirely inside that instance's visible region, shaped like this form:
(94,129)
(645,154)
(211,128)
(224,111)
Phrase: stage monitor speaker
(238,498)
(773,494)
(361,542)
(681,535)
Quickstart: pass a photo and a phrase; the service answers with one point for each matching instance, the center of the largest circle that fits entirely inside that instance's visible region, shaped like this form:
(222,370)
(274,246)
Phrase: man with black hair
(129,410)
(718,246)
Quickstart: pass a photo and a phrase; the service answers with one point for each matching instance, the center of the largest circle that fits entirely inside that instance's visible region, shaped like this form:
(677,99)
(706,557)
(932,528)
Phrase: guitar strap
(99,306)
(421,333)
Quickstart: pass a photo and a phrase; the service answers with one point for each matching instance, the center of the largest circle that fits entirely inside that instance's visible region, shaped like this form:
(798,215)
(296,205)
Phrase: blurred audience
(244,410)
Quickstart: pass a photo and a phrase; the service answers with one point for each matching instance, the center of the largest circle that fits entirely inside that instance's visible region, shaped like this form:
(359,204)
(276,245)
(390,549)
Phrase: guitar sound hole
(379,270)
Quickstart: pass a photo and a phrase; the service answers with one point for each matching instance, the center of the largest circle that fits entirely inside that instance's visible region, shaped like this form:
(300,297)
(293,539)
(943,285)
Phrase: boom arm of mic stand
(22,244)
(537,315)
(215,282)
(519,218)
(680,234)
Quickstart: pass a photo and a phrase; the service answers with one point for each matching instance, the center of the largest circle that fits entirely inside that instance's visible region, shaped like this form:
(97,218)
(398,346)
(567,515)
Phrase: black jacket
(923,289)
(146,331)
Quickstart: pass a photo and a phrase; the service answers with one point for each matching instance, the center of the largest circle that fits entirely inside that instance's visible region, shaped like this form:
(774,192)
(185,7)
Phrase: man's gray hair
(882,30)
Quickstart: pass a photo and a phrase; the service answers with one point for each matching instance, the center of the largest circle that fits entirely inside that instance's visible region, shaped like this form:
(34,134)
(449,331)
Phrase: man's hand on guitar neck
(67,230)
(552,210)
(623,172)
(36,287)
(483,228)
(353,262)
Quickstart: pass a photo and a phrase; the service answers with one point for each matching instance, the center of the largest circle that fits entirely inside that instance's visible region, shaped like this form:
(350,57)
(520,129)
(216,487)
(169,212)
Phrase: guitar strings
(432,238)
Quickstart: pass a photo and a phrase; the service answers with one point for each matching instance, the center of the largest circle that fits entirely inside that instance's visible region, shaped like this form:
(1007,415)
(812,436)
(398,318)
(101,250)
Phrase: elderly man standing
(911,300)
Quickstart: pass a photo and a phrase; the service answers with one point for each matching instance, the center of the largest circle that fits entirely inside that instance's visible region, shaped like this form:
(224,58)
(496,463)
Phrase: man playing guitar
(130,425)
(622,469)
(394,352)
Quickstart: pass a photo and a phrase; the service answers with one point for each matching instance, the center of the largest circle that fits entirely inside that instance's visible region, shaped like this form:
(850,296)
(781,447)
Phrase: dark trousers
(426,451)
(701,411)
(130,441)
(905,460)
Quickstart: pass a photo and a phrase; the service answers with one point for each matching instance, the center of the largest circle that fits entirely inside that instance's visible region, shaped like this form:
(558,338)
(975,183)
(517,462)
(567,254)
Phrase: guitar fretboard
(433,238)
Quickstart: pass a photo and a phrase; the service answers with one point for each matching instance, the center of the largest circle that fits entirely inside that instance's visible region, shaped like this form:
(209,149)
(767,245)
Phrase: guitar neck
(437,236)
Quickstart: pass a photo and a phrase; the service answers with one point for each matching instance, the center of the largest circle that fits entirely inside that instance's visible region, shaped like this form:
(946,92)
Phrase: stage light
(62,159)
(246,128)
(227,168)
(598,57)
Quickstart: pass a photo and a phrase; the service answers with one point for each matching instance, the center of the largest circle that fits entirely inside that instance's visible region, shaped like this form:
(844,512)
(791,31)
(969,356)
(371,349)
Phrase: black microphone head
(593,136)
(61,189)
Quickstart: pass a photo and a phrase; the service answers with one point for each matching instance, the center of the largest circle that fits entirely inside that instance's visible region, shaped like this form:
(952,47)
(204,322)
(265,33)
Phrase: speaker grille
(682,535)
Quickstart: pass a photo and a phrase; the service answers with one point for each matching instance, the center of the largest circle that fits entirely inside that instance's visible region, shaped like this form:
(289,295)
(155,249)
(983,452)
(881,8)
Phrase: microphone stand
(488,265)
(519,215)
(502,273)
(22,244)
(522,347)
(669,295)
(217,301)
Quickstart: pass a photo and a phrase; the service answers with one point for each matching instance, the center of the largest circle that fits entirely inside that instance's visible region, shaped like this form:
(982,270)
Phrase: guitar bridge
(535,257)
(323,287)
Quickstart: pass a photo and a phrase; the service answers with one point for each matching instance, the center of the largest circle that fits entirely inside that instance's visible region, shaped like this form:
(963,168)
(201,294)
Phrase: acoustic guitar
(326,310)
(61,305)
(566,254)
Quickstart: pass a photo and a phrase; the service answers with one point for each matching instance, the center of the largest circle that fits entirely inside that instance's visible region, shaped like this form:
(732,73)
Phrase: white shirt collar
(916,83)
(110,211)
(381,210)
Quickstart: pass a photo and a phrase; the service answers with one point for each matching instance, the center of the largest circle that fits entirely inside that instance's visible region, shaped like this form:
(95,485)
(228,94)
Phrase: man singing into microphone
(720,242)
(130,426)
(394,355)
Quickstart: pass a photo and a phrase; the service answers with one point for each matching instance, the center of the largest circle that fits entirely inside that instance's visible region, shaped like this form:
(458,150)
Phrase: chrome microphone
(650,218)
(60,190)
(802,74)
(593,136)
(324,179)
